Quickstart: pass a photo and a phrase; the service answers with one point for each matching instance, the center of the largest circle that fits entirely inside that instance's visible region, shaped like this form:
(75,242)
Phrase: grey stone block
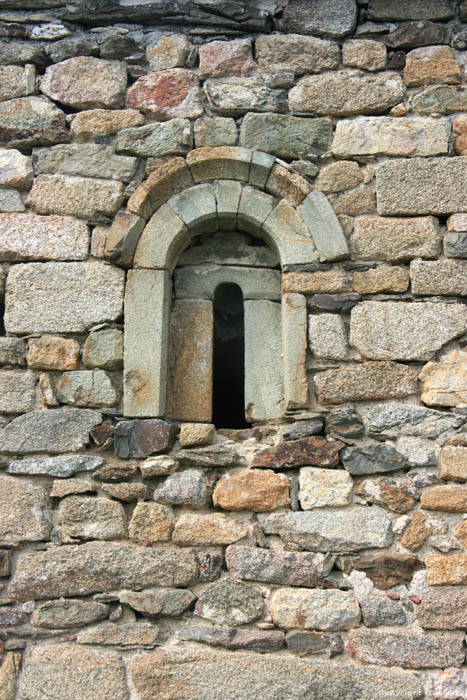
(197,208)
(201,282)
(294,327)
(163,239)
(324,226)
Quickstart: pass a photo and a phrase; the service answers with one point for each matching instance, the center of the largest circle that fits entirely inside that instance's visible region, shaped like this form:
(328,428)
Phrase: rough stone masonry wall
(321,556)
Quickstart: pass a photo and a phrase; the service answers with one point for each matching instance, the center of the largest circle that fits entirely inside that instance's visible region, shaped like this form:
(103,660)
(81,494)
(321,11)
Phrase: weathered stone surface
(69,195)
(213,456)
(10,201)
(9,671)
(315,282)
(394,240)
(443,99)
(153,602)
(185,674)
(344,422)
(453,463)
(62,466)
(151,522)
(24,511)
(16,81)
(384,10)
(344,93)
(418,136)
(334,19)
(394,420)
(355,202)
(421,186)
(213,528)
(70,672)
(141,438)
(103,122)
(91,388)
(53,352)
(31,121)
(296,453)
(372,459)
(49,431)
(221,58)
(285,136)
(162,465)
(4,563)
(87,160)
(99,566)
(399,497)
(169,52)
(328,337)
(232,97)
(413,34)
(87,518)
(394,331)
(261,641)
(444,381)
(305,643)
(126,636)
(314,609)
(446,570)
(104,349)
(443,609)
(270,566)
(31,237)
(12,351)
(388,570)
(68,487)
(230,602)
(62,297)
(188,487)
(301,429)
(215,131)
(126,492)
(252,489)
(197,434)
(11,616)
(455,244)
(333,302)
(167,94)
(116,471)
(438,277)
(15,168)
(324,487)
(324,530)
(295,53)
(452,499)
(431,64)
(408,651)
(381,279)
(449,683)
(190,360)
(17,391)
(166,180)
(420,528)
(59,614)
(367,381)
(339,176)
(364,54)
(86,83)
(123,237)
(378,610)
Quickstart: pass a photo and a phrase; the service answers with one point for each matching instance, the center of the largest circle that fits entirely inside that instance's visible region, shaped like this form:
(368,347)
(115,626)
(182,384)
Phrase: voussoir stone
(62,466)
(278,53)
(396,331)
(328,529)
(26,237)
(24,511)
(395,239)
(344,93)
(59,614)
(417,186)
(55,430)
(364,136)
(270,566)
(365,382)
(314,609)
(71,195)
(85,82)
(71,672)
(252,489)
(285,136)
(190,673)
(62,297)
(167,94)
(31,121)
(230,602)
(99,566)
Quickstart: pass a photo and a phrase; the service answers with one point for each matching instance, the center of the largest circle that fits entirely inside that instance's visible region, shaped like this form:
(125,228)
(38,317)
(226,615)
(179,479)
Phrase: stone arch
(214,189)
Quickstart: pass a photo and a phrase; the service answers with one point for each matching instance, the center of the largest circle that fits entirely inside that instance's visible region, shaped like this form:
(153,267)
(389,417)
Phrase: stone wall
(322,552)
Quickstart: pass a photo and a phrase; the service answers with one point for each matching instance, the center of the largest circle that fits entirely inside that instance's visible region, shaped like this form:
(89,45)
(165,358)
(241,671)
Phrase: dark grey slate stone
(372,459)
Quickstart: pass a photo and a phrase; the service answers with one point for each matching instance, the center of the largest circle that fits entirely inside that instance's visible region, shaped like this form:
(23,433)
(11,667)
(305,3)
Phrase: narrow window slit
(228,398)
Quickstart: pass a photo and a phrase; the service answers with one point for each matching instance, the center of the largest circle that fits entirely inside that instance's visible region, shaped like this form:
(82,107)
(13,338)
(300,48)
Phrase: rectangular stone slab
(146,340)
(191,351)
(264,390)
(294,327)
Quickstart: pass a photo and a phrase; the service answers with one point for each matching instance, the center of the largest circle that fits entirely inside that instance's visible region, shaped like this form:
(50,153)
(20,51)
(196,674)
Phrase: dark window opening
(228,395)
